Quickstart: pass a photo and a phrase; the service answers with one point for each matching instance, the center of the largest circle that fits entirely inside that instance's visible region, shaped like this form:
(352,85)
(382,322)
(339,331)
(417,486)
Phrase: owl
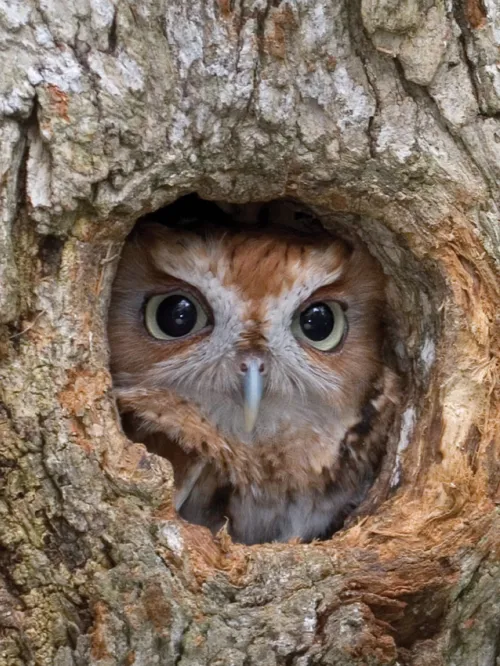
(253,362)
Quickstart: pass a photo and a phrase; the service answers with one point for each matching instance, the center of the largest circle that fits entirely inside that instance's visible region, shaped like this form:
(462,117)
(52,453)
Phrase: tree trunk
(384,118)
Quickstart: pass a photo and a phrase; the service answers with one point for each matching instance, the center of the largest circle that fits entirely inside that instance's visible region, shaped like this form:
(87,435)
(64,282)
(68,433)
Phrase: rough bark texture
(382,116)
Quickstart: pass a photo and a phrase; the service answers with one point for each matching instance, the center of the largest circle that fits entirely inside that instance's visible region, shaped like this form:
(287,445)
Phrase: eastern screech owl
(253,363)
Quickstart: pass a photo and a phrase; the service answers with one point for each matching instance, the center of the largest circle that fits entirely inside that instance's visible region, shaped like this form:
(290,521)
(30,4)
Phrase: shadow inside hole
(307,462)
(191,211)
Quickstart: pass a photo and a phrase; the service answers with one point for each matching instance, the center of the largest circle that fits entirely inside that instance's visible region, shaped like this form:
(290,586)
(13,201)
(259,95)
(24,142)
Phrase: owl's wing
(200,495)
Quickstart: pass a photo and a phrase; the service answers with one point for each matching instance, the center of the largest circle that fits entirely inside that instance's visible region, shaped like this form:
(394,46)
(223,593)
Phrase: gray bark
(383,117)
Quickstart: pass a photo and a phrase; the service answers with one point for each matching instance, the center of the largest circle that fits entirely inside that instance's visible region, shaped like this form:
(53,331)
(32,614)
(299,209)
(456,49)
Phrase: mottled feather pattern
(322,422)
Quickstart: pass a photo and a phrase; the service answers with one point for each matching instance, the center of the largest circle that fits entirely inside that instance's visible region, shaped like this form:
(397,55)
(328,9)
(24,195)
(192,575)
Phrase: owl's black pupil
(317,321)
(176,316)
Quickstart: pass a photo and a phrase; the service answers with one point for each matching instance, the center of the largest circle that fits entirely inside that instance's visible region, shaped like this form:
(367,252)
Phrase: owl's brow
(267,265)
(333,289)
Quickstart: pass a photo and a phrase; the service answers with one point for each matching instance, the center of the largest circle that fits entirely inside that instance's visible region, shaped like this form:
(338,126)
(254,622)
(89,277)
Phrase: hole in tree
(253,349)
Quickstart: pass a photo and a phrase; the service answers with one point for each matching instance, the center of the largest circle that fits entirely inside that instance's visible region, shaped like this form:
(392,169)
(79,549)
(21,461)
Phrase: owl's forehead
(254,265)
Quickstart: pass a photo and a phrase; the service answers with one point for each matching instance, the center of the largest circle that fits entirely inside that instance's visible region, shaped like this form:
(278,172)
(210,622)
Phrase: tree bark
(383,117)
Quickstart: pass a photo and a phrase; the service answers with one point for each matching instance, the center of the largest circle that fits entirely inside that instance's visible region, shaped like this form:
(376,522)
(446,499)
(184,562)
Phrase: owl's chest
(292,489)
(304,515)
(295,459)
(257,514)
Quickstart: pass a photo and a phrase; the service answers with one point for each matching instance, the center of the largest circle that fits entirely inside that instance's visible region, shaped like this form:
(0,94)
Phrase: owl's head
(259,331)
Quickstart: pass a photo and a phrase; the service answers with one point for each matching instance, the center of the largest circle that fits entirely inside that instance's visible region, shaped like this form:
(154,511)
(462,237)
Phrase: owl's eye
(321,324)
(174,315)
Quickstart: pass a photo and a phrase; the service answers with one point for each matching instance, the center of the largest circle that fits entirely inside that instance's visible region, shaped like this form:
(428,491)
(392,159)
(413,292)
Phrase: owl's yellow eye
(322,325)
(175,315)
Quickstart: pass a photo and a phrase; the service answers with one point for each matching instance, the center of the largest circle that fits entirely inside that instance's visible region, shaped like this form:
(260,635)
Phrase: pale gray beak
(253,388)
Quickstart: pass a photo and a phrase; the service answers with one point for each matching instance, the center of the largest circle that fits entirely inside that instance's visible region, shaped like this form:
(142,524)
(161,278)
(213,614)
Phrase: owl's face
(259,331)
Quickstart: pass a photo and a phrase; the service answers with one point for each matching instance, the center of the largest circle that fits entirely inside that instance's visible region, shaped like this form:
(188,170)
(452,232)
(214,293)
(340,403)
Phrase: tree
(383,117)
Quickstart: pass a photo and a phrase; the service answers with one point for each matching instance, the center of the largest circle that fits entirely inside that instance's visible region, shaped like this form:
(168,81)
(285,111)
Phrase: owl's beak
(253,387)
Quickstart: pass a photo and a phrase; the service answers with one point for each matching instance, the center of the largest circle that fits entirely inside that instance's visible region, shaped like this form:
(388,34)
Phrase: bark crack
(364,49)
(459,16)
